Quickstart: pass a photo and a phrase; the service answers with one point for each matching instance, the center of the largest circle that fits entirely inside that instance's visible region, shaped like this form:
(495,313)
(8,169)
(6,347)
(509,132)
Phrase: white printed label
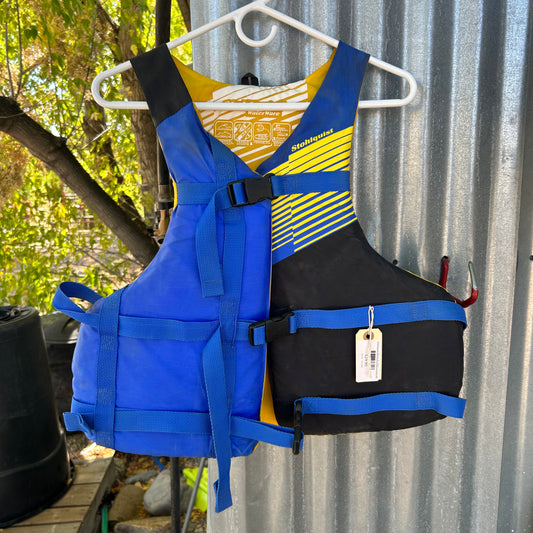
(368,355)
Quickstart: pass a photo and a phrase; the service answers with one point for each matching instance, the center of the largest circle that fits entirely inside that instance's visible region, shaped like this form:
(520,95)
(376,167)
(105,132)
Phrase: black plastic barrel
(34,465)
(60,335)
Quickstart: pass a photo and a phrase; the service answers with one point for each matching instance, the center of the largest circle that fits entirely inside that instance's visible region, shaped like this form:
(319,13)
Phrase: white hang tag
(368,355)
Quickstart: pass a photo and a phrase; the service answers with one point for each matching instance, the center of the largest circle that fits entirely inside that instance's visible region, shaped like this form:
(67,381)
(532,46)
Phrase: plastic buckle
(298,435)
(255,189)
(276,327)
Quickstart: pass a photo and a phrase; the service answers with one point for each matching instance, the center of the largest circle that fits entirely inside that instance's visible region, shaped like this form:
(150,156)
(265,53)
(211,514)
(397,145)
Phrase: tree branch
(185,8)
(94,125)
(21,66)
(105,18)
(55,154)
(141,121)
(6,40)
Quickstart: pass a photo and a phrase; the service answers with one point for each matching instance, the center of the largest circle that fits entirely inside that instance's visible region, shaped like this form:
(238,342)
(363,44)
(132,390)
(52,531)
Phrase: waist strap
(137,420)
(397,401)
(139,327)
(355,317)
(255,189)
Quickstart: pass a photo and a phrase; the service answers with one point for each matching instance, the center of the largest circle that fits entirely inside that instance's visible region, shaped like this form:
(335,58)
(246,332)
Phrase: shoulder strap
(161,82)
(330,114)
(341,87)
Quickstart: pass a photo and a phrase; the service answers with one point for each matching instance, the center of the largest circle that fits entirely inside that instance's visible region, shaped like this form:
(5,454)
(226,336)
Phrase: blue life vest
(174,363)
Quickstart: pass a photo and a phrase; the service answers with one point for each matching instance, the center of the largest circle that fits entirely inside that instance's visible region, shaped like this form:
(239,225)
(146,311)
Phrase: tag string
(370,321)
(369,333)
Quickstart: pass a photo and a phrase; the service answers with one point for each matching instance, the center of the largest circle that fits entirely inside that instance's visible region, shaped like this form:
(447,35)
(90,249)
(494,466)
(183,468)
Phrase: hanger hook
(474,292)
(252,42)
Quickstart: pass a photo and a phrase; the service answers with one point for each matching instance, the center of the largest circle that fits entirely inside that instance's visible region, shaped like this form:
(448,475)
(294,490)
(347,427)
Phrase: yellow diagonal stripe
(326,234)
(337,212)
(283,243)
(281,169)
(318,163)
(324,227)
(334,159)
(297,208)
(279,203)
(326,209)
(281,237)
(278,229)
(280,220)
(320,154)
(282,211)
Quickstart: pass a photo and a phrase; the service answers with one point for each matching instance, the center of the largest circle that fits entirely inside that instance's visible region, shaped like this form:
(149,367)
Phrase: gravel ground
(128,464)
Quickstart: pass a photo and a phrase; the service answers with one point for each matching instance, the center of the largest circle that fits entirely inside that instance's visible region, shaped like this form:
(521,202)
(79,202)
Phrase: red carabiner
(474,292)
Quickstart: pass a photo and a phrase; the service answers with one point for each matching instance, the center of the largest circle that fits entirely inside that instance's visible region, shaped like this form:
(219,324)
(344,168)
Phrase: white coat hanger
(237,16)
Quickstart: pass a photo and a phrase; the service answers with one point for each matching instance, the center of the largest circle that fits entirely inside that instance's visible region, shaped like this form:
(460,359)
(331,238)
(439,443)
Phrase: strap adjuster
(276,327)
(253,189)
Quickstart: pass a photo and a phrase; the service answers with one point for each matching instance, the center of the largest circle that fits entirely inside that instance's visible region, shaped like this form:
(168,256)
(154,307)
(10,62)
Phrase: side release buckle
(276,327)
(250,191)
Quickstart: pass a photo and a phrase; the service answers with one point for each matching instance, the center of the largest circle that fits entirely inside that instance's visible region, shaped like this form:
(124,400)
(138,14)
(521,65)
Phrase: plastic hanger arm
(237,16)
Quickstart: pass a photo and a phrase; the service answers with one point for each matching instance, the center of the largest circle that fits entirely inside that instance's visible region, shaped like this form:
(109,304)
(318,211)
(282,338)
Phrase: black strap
(161,83)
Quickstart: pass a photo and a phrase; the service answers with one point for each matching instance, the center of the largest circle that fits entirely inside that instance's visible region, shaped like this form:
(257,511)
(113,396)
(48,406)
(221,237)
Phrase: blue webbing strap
(301,183)
(140,327)
(398,401)
(106,370)
(132,420)
(233,265)
(215,382)
(63,303)
(357,317)
(177,330)
(77,422)
(232,271)
(207,255)
(253,429)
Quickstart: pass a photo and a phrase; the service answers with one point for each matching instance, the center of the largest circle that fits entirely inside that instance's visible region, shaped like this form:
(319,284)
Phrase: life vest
(263,248)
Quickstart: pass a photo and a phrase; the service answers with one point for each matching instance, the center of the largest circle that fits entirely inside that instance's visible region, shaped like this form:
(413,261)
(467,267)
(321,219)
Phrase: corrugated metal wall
(451,174)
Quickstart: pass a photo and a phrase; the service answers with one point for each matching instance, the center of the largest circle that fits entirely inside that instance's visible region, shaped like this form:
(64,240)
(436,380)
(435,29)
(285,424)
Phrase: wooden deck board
(57,516)
(77,510)
(78,495)
(72,527)
(91,472)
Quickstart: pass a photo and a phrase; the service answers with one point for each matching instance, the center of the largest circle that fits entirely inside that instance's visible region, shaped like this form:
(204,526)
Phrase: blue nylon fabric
(357,317)
(303,183)
(104,410)
(141,327)
(170,288)
(398,401)
(131,420)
